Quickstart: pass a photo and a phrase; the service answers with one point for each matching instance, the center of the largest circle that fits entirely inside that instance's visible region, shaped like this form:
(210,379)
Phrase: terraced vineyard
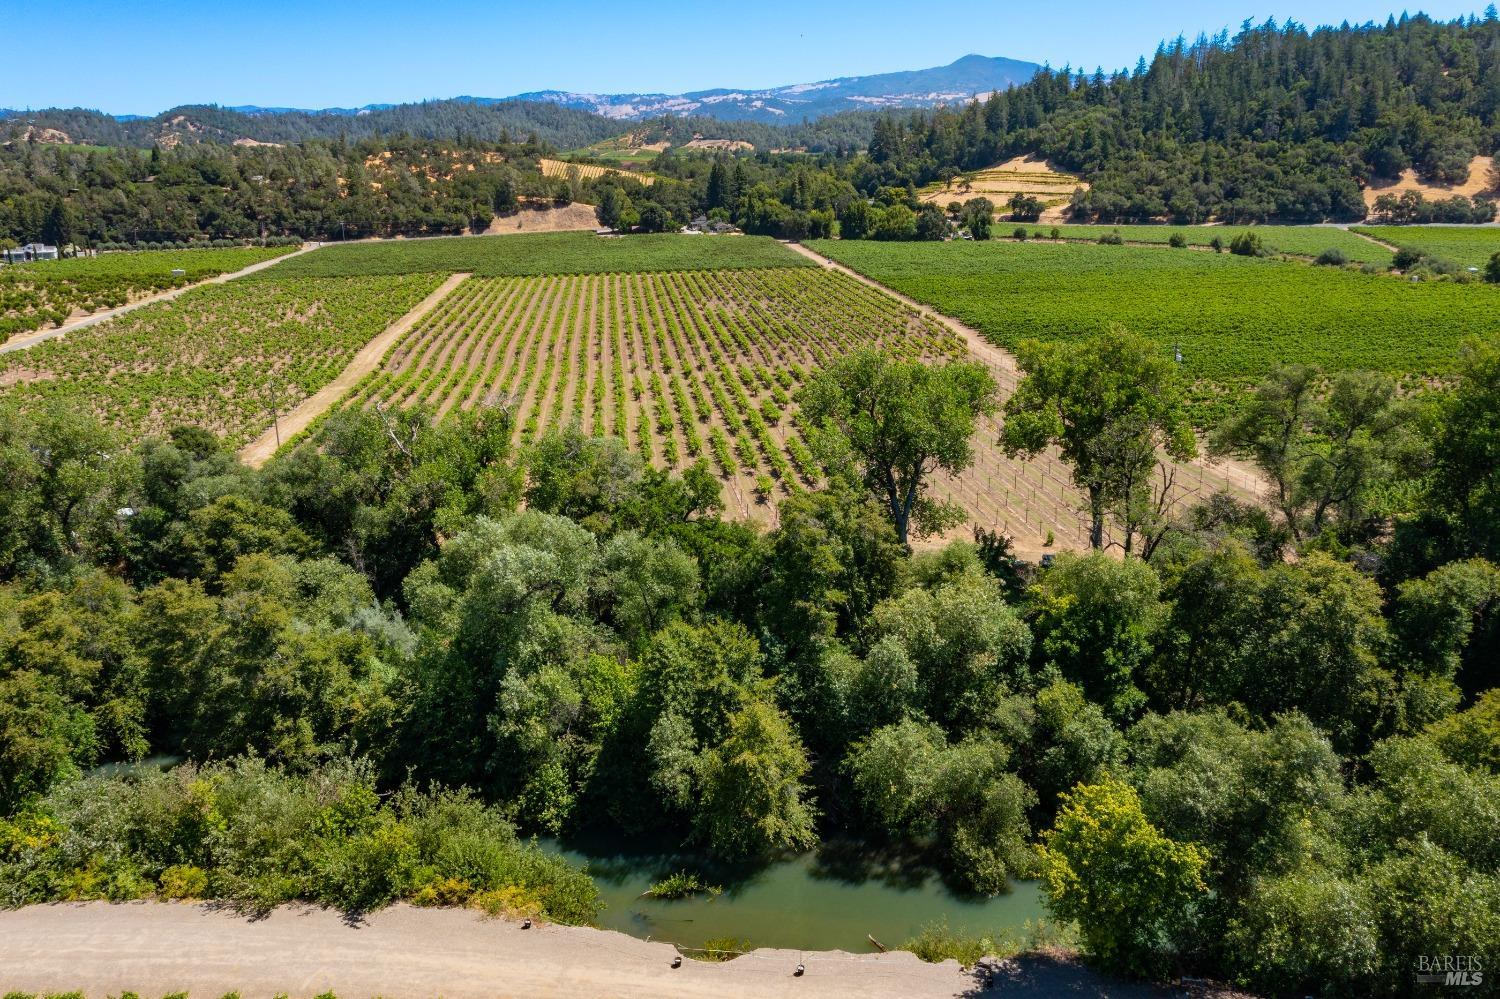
(1021,175)
(1469,246)
(221,356)
(33,295)
(1234,317)
(587,171)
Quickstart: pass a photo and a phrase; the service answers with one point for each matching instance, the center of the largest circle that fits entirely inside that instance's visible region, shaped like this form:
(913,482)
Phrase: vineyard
(689,366)
(543,253)
(1233,317)
(587,171)
(1296,240)
(221,356)
(33,295)
(681,365)
(1021,175)
(1469,246)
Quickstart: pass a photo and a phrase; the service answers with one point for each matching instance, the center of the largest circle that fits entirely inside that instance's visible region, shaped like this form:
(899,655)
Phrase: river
(829,899)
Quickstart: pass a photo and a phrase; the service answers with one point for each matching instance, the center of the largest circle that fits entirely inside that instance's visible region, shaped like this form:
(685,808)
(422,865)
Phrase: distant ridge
(960,80)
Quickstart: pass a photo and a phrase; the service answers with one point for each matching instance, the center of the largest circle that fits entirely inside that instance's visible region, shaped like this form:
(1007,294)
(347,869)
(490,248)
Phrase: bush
(1056,233)
(1406,258)
(724,948)
(1217,244)
(1332,257)
(1247,244)
(1019,234)
(1112,239)
(1177,240)
(258,837)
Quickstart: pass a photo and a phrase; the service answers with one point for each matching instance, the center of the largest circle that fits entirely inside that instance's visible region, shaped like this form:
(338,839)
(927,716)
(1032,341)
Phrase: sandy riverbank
(155,948)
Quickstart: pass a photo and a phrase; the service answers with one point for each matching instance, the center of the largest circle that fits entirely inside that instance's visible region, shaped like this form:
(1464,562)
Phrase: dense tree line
(317,190)
(1276,123)
(450,120)
(1275,727)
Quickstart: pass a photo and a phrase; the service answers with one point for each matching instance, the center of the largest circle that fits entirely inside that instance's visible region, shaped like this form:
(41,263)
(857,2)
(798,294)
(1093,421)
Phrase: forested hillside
(561,127)
(1275,122)
(67,194)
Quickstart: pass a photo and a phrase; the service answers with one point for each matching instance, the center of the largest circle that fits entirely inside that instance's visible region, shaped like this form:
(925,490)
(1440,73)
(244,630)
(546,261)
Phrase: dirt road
(259,451)
(1217,473)
(156,948)
(41,336)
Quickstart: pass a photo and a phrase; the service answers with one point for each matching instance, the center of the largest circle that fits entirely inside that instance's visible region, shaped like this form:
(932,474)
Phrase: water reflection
(833,898)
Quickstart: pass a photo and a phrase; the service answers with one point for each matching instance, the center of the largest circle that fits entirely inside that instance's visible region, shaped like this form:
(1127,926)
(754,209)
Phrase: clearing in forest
(1481,182)
(1022,175)
(562,169)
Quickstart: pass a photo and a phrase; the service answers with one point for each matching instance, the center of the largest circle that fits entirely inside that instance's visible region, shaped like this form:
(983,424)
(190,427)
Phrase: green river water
(829,899)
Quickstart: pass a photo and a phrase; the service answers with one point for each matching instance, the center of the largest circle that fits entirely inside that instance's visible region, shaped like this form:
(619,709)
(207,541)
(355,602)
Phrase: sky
(144,56)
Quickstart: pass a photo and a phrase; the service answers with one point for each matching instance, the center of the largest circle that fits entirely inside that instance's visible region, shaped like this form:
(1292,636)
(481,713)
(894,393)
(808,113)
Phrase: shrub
(1177,240)
(1112,239)
(724,948)
(1019,234)
(258,837)
(681,885)
(1247,244)
(1217,244)
(1332,257)
(1056,233)
(1406,258)
(183,881)
(1133,918)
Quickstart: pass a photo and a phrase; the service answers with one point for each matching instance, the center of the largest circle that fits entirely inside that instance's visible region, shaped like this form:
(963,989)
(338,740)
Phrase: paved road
(42,336)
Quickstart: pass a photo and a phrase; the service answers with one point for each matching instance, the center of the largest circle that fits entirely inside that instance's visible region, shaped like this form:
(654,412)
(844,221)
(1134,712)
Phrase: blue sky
(131,56)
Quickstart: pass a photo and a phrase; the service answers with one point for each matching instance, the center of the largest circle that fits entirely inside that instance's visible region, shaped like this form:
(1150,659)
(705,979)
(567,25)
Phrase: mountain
(922,88)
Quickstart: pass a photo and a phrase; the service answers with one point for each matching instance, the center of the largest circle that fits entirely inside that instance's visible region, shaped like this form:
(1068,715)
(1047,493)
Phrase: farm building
(31,251)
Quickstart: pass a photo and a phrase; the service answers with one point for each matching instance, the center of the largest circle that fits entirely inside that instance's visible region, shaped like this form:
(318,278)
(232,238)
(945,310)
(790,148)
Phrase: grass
(721,949)
(681,885)
(1298,240)
(544,253)
(1468,246)
(937,943)
(1234,317)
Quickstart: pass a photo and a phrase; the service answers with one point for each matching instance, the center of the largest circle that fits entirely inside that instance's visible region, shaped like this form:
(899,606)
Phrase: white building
(31,251)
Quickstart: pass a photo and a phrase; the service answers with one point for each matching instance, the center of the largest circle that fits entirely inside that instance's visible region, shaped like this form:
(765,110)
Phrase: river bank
(155,948)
